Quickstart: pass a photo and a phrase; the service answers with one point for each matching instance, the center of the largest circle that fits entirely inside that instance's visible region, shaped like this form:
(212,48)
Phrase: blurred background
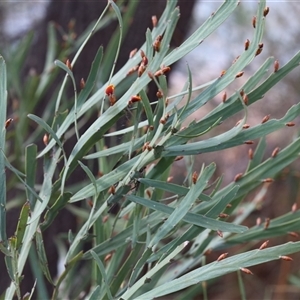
(216,53)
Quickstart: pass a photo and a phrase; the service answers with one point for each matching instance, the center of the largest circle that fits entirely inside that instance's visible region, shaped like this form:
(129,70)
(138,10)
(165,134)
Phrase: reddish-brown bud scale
(247,271)
(223,73)
(254,22)
(245,99)
(258,221)
(141,70)
(112,100)
(264,245)
(275,152)
(142,53)
(8,122)
(276,66)
(247,43)
(132,53)
(82,83)
(229,205)
(245,126)
(135,99)
(220,233)
(265,119)
(224,97)
(238,177)
(250,153)
(154,21)
(157,42)
(68,64)
(222,215)
(258,51)
(268,180)
(222,256)
(293,234)
(249,142)
(284,257)
(159,94)
(132,70)
(242,92)
(170,178)
(290,124)
(45,139)
(178,158)
(112,190)
(105,219)
(108,257)
(149,194)
(267,223)
(194,177)
(266,11)
(239,74)
(110,90)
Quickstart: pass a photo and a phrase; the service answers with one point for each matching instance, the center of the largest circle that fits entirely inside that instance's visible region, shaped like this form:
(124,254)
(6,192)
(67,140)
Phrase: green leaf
(3,104)
(22,223)
(42,255)
(30,170)
(219,268)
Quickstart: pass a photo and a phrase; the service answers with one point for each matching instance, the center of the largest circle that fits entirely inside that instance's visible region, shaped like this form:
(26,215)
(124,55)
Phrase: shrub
(157,241)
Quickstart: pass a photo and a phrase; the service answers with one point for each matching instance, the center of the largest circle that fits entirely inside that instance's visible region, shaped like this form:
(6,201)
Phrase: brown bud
(247,43)
(159,94)
(112,190)
(82,83)
(250,153)
(170,178)
(224,97)
(107,257)
(222,215)
(267,223)
(223,73)
(178,158)
(284,257)
(105,219)
(276,66)
(264,245)
(45,139)
(132,53)
(293,234)
(245,99)
(222,256)
(220,233)
(194,177)
(8,122)
(268,180)
(247,271)
(68,64)
(154,21)
(245,126)
(266,11)
(265,119)
(238,177)
(242,92)
(290,124)
(275,152)
(162,71)
(249,142)
(229,205)
(141,70)
(157,42)
(258,51)
(110,90)
(142,53)
(254,21)
(239,74)
(132,70)
(149,194)
(135,99)
(112,100)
